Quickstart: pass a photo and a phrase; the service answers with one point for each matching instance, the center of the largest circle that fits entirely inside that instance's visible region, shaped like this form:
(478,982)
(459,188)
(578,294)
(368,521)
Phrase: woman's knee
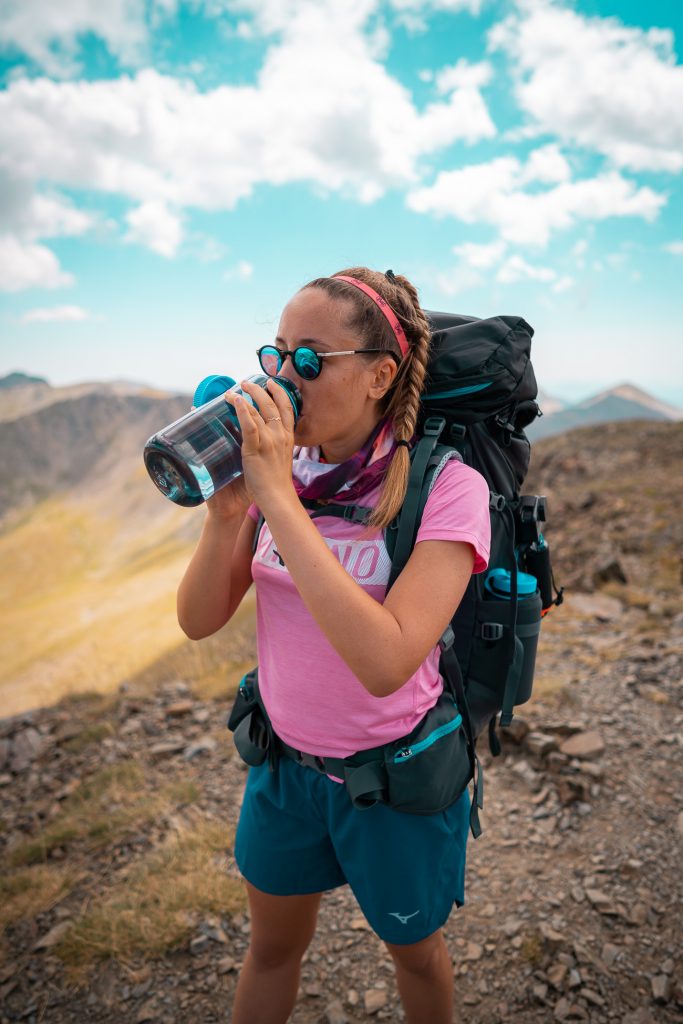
(419,957)
(281,926)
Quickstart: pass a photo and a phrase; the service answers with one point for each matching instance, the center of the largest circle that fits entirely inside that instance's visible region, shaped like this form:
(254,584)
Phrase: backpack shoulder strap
(427,459)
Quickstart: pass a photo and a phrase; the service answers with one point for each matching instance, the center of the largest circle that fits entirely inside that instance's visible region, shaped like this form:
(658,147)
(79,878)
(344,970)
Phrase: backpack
(480,394)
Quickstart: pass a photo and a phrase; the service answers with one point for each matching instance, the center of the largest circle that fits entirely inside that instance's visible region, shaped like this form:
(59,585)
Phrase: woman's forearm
(381,648)
(204,600)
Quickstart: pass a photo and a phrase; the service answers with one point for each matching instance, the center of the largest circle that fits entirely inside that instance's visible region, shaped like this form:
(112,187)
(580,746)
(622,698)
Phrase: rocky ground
(574,891)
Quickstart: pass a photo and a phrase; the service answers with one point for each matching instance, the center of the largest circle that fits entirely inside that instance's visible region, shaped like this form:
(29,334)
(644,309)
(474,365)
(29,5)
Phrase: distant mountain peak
(631,393)
(17,379)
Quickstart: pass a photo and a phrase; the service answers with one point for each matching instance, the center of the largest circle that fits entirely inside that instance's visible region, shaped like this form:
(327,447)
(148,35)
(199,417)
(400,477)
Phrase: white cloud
(460,279)
(516,269)
(597,83)
(563,283)
(166,146)
(57,314)
(48,32)
(493,193)
(674,248)
(154,225)
(481,257)
(464,75)
(29,265)
(241,272)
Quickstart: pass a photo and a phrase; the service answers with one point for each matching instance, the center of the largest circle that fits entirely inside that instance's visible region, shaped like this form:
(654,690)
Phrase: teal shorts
(299,833)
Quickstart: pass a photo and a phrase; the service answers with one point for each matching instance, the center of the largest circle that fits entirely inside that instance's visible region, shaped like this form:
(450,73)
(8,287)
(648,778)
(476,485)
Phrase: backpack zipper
(405,753)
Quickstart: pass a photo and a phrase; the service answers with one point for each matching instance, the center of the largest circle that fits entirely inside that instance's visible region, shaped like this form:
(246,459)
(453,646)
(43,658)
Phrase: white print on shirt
(366,561)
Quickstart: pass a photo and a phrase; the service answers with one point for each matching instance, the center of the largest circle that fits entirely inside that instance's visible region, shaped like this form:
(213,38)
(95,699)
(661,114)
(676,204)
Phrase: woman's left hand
(267,442)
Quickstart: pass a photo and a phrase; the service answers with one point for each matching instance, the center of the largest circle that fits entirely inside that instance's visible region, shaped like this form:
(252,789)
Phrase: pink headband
(384,308)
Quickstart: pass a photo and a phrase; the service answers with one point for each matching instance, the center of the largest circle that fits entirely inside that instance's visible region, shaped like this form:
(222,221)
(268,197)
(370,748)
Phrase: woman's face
(341,406)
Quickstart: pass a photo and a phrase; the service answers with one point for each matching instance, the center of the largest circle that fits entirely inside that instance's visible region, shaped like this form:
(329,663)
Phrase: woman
(341,669)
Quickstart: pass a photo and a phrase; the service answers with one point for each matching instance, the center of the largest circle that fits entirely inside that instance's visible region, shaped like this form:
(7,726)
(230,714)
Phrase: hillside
(120,895)
(91,552)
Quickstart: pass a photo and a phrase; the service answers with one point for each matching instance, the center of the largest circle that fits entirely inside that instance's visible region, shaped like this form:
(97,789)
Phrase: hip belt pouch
(421,773)
(252,732)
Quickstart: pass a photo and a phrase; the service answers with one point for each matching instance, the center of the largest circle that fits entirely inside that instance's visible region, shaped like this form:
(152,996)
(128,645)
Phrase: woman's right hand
(230,502)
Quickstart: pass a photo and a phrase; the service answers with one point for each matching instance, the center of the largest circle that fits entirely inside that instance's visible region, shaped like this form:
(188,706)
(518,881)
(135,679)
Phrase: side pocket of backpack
(490,665)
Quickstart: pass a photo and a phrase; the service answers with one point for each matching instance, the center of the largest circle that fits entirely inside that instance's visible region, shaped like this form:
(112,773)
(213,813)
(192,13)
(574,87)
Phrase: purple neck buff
(361,471)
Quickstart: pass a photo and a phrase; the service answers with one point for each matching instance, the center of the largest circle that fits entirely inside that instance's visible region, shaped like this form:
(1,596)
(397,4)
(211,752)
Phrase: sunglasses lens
(270,360)
(306,363)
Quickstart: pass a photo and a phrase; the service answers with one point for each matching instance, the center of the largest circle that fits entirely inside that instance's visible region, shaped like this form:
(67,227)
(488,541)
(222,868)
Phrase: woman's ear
(383,373)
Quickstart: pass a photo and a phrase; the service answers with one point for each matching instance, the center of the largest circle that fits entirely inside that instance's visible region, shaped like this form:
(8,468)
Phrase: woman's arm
(383,645)
(218,575)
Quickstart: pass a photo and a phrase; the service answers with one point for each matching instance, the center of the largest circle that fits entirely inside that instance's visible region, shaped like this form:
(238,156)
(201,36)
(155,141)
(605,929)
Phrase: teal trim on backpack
(405,753)
(470,390)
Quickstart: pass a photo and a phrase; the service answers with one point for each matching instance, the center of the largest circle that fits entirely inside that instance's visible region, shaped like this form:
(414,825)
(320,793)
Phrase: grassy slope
(87,602)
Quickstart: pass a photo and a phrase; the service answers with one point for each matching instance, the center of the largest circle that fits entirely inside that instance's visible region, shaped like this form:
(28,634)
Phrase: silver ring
(274,419)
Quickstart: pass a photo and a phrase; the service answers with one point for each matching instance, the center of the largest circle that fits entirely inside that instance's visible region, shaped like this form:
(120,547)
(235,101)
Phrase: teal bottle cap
(210,388)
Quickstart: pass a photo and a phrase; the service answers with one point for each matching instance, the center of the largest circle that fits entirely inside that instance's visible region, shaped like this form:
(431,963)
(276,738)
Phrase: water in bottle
(192,458)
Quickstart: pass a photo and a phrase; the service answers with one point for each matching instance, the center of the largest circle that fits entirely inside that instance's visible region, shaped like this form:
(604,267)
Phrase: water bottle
(192,458)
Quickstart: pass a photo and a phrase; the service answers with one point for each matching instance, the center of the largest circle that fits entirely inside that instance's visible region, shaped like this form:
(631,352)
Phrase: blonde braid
(403,409)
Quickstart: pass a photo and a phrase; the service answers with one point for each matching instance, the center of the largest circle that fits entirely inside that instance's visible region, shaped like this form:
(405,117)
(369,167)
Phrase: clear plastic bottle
(192,458)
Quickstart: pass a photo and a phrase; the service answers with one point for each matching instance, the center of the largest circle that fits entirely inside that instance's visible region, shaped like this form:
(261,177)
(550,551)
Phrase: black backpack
(480,394)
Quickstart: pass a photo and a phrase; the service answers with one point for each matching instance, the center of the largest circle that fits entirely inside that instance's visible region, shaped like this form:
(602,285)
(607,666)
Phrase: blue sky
(171,171)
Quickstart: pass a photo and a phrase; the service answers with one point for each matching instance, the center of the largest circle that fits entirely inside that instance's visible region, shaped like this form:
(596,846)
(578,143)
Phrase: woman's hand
(267,442)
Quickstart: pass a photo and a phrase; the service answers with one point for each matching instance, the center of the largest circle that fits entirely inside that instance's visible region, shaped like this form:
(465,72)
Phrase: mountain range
(624,402)
(92,553)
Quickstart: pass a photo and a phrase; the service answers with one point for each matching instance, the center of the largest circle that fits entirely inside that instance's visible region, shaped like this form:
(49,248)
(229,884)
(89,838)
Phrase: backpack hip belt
(423,772)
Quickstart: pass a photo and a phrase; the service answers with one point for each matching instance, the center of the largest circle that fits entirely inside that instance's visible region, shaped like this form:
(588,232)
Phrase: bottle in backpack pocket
(501,667)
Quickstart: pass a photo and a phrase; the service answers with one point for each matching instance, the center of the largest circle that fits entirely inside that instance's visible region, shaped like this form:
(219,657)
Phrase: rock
(314,990)
(515,731)
(226,965)
(592,997)
(588,745)
(352,997)
(374,999)
(609,571)
(473,952)
(199,944)
(148,1011)
(638,914)
(640,1016)
(551,937)
(179,708)
(166,749)
(53,936)
(679,824)
(511,926)
(556,975)
(661,988)
(598,606)
(360,924)
(539,743)
(5,748)
(334,1013)
(26,747)
(204,746)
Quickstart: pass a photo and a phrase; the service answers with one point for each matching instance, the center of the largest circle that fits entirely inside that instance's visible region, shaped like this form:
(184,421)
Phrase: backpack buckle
(491,631)
(433,426)
(532,508)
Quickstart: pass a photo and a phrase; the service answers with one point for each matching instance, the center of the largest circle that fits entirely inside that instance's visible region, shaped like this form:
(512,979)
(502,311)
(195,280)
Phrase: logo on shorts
(403,918)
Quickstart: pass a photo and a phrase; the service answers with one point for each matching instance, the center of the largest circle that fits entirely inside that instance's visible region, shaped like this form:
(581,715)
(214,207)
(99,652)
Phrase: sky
(172,171)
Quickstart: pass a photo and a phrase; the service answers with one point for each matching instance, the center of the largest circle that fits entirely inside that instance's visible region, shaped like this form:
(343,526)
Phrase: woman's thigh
(281,926)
